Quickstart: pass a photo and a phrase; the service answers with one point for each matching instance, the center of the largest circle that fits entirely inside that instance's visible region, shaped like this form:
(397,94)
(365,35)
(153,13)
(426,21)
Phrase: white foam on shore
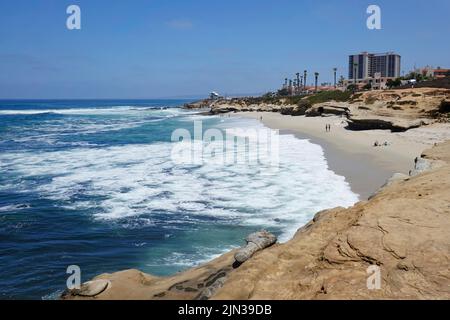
(133,180)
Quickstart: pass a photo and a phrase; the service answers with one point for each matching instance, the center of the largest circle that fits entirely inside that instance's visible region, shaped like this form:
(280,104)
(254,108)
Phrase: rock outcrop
(328,108)
(198,104)
(89,289)
(401,235)
(255,242)
(383,123)
(396,110)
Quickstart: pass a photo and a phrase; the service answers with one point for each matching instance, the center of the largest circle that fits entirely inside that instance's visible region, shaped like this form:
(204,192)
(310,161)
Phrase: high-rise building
(368,65)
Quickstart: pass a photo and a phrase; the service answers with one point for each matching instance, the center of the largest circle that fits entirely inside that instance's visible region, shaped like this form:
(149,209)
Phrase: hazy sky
(162,48)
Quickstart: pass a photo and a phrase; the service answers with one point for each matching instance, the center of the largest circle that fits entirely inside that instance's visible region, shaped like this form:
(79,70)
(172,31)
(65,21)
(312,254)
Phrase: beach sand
(352,153)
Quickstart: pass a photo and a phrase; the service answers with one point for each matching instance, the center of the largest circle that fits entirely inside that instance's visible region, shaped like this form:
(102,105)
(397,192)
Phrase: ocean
(93,184)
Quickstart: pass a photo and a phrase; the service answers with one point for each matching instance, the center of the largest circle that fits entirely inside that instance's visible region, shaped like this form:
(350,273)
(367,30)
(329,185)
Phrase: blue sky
(161,48)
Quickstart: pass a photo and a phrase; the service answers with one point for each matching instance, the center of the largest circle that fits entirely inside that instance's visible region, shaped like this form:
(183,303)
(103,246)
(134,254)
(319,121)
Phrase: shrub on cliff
(393,83)
(325,96)
(304,104)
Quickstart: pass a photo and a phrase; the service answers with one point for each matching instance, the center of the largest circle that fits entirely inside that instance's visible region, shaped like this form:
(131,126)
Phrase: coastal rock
(255,242)
(382,123)
(421,165)
(91,288)
(396,177)
(293,110)
(397,110)
(225,108)
(328,108)
(445,106)
(198,105)
(212,289)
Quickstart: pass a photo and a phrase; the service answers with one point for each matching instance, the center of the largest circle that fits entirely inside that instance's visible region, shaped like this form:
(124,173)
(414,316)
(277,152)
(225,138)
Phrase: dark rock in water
(255,242)
(198,104)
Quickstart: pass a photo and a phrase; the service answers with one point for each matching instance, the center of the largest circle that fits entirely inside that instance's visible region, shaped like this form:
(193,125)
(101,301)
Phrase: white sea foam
(14,207)
(134,180)
(187,260)
(116,110)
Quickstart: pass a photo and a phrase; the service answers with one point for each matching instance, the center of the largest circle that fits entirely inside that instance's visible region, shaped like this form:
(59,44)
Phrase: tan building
(440,73)
(377,82)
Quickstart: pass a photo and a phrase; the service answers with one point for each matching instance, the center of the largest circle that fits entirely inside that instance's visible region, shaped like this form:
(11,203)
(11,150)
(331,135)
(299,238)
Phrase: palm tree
(305,73)
(316,74)
(335,71)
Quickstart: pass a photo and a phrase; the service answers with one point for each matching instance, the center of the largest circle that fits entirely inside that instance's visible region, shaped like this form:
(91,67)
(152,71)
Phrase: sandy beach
(352,153)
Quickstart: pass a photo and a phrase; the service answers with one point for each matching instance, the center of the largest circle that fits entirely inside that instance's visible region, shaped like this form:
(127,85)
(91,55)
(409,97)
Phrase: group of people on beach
(378,144)
(328,127)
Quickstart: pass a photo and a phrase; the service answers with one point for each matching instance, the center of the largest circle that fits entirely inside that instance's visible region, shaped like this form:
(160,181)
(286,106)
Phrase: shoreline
(350,153)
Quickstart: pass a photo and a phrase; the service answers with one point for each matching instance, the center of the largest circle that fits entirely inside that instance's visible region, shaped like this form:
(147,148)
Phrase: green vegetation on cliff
(320,97)
(325,96)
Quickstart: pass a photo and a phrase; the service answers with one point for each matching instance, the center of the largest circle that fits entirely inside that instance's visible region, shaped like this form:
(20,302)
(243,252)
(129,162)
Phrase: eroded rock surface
(255,242)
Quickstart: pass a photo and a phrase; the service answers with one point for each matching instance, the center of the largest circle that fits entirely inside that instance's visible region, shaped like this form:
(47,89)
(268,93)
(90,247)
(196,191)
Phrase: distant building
(373,68)
(432,72)
(366,65)
(427,71)
(215,96)
(440,73)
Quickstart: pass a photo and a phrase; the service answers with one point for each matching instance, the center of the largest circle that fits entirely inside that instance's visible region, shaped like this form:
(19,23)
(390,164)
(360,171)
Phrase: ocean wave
(136,180)
(185,260)
(118,110)
(16,207)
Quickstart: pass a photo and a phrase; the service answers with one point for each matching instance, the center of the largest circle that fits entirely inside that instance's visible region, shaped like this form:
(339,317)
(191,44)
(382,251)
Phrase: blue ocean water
(91,183)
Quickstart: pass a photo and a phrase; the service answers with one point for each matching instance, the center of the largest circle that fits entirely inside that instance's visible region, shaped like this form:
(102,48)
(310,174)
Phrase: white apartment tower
(369,65)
